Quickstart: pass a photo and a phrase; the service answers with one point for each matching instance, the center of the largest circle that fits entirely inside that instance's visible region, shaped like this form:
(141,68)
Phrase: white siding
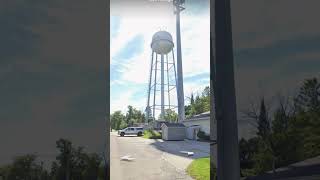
(203,123)
(173,133)
(165,132)
(176,133)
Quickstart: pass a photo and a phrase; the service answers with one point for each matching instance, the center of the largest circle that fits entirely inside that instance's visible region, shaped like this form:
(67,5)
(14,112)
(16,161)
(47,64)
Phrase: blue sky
(131,52)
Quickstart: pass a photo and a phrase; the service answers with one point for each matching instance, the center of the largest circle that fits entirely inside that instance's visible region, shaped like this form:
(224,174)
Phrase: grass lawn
(200,169)
(150,134)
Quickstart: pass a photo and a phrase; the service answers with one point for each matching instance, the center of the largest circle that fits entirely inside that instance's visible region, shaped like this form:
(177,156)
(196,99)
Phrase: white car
(131,131)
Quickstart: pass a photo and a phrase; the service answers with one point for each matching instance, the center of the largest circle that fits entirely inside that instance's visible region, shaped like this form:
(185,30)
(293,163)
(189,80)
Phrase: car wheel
(139,134)
(122,134)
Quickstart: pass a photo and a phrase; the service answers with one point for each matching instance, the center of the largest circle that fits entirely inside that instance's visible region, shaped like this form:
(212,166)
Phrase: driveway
(154,159)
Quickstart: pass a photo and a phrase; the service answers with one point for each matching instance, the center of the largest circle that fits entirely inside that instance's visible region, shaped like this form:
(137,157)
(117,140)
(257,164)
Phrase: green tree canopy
(199,103)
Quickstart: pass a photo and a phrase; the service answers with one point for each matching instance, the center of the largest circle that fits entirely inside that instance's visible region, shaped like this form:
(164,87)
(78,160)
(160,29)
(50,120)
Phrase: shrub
(202,135)
(151,134)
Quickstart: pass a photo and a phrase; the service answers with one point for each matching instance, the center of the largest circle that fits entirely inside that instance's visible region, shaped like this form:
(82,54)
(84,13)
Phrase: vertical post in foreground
(226,114)
(180,94)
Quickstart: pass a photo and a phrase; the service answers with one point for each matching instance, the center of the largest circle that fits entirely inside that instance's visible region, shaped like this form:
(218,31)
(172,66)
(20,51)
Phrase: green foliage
(71,162)
(247,172)
(202,135)
(75,163)
(120,121)
(263,159)
(117,120)
(24,167)
(134,116)
(294,134)
(123,125)
(200,169)
(306,126)
(151,134)
(170,116)
(263,122)
(308,98)
(199,104)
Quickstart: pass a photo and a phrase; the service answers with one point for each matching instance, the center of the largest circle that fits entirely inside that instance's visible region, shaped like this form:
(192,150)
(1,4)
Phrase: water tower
(161,86)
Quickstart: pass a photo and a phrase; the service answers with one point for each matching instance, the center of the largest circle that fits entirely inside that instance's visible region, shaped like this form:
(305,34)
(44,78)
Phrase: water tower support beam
(149,90)
(155,89)
(168,80)
(162,86)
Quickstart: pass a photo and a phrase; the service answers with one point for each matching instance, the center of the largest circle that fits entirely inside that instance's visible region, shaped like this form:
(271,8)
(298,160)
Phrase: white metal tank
(162,42)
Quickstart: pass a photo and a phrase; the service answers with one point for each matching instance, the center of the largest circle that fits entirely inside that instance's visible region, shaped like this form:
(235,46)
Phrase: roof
(198,116)
(168,124)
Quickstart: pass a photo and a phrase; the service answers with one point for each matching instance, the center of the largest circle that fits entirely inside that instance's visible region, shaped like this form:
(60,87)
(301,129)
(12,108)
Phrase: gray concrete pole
(226,114)
(162,86)
(179,69)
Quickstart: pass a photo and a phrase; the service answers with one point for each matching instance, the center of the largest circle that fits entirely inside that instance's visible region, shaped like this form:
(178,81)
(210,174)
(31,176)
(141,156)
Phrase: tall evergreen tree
(191,99)
(263,121)
(129,114)
(309,96)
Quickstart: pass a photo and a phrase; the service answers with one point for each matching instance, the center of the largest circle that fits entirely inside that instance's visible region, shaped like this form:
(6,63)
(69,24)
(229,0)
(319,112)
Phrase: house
(173,131)
(202,120)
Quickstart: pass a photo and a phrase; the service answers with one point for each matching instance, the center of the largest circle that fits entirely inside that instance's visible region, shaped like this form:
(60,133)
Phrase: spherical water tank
(162,42)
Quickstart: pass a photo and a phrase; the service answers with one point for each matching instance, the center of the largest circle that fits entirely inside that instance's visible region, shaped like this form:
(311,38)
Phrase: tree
(74,164)
(191,99)
(71,163)
(294,134)
(170,115)
(309,96)
(198,104)
(263,121)
(64,158)
(247,150)
(129,114)
(243,150)
(134,116)
(25,167)
(117,118)
(206,92)
(123,125)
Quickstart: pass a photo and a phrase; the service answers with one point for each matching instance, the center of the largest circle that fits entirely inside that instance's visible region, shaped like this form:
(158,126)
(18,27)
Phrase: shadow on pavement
(199,149)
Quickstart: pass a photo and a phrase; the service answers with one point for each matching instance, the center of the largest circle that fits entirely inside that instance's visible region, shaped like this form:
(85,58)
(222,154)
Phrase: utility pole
(226,114)
(180,93)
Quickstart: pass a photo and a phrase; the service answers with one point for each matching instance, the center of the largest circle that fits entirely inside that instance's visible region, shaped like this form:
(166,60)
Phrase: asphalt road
(149,162)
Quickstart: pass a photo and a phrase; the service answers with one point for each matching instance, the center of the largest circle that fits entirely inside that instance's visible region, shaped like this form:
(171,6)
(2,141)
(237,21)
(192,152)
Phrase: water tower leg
(162,86)
(149,91)
(168,79)
(155,89)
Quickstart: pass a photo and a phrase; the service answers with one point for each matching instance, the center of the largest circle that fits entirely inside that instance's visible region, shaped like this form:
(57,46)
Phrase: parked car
(131,131)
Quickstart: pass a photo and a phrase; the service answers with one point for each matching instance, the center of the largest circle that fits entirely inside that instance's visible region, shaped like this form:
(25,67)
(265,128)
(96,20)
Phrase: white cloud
(120,102)
(195,88)
(196,46)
